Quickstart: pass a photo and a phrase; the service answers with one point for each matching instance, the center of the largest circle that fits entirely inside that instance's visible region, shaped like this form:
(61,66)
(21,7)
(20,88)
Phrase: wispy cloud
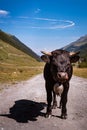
(39,22)
(4,12)
(55,23)
(45,19)
(37,11)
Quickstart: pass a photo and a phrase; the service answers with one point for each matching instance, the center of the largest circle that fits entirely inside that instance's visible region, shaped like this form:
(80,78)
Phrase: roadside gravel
(23,105)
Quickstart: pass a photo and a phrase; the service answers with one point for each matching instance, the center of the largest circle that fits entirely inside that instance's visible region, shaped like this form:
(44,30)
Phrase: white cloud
(54,24)
(3,12)
(45,19)
(44,23)
(70,23)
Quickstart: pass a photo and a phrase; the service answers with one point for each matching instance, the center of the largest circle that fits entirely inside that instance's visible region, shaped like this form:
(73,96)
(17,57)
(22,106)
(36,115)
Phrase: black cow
(58,71)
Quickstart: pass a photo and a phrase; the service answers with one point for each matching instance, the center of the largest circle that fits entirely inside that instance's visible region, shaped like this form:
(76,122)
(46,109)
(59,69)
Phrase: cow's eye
(53,60)
(68,66)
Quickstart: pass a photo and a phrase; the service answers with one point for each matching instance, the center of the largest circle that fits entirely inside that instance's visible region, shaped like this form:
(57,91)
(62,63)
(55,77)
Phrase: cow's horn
(46,53)
(73,53)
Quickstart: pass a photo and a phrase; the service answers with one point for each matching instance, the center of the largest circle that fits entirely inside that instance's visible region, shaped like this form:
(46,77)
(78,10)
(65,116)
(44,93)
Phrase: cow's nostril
(59,75)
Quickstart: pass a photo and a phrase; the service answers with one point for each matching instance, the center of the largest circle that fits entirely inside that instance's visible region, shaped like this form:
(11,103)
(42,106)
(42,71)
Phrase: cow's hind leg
(60,104)
(54,101)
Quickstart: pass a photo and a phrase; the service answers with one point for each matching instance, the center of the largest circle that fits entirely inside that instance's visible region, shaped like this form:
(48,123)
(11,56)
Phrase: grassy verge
(15,65)
(11,74)
(81,72)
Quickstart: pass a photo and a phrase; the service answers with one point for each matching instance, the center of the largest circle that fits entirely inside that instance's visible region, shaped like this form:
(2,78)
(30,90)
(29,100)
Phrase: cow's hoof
(64,116)
(48,115)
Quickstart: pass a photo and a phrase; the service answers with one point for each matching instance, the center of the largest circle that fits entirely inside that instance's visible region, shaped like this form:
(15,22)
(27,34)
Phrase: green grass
(83,65)
(15,72)
(15,65)
(81,72)
(18,74)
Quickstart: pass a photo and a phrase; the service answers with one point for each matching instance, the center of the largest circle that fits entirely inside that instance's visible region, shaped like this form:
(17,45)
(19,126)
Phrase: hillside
(78,45)
(16,65)
(13,41)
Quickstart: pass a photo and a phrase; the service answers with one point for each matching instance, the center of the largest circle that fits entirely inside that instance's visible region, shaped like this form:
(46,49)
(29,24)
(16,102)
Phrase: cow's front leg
(49,100)
(64,101)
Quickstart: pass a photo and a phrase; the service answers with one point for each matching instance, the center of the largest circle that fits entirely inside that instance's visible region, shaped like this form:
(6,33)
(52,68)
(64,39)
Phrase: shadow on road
(25,110)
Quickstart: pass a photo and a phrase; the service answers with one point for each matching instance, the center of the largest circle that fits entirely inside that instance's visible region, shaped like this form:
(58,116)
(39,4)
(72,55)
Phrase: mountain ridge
(78,45)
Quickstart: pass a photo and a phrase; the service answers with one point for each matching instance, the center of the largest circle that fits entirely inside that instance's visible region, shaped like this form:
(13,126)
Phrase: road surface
(23,105)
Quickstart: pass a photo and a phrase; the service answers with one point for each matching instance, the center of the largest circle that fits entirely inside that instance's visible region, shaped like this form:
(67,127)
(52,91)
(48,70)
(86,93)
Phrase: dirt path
(22,107)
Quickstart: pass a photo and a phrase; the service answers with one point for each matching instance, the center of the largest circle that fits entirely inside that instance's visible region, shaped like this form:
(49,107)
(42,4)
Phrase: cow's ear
(74,57)
(45,58)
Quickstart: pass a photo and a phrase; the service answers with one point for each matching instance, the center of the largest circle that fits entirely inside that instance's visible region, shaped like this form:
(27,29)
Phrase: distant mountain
(15,42)
(78,45)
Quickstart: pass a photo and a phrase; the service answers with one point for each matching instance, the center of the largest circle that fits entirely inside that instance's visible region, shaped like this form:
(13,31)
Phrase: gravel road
(22,106)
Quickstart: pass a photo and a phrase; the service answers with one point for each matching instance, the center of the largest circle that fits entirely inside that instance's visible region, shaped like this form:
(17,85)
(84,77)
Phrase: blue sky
(44,24)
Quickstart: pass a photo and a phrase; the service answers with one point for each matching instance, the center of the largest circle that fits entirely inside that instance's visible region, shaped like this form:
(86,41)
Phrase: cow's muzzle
(62,75)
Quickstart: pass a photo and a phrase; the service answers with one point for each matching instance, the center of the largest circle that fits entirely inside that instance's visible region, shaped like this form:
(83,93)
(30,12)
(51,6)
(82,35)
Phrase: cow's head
(60,63)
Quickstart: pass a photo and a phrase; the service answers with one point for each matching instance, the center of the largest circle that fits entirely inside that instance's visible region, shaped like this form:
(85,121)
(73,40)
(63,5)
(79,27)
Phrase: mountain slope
(12,40)
(79,45)
(16,65)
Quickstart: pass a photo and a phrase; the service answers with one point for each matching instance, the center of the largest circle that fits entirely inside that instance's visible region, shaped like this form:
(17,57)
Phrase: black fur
(58,63)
